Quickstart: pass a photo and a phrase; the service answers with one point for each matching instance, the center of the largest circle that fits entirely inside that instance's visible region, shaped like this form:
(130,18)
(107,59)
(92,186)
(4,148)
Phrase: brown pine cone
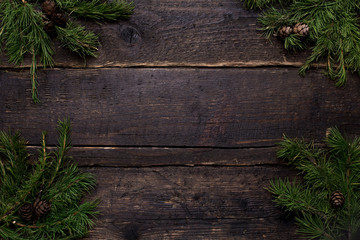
(59,19)
(41,207)
(301,29)
(26,211)
(285,31)
(49,28)
(337,199)
(49,7)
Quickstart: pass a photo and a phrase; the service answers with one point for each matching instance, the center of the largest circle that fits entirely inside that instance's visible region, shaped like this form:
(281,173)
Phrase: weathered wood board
(189,203)
(178,118)
(183,33)
(233,107)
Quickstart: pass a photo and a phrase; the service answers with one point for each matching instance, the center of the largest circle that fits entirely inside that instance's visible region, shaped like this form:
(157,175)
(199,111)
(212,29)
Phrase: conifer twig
(24,225)
(64,130)
(333,37)
(327,200)
(25,30)
(66,216)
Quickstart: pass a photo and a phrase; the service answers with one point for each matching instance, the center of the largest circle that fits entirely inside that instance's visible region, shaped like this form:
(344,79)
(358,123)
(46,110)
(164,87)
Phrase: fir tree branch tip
(333,32)
(43,199)
(326,198)
(27,30)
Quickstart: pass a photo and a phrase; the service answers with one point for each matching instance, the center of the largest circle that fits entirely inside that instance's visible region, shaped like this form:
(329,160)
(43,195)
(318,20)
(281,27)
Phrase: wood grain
(179,107)
(189,203)
(182,33)
(178,118)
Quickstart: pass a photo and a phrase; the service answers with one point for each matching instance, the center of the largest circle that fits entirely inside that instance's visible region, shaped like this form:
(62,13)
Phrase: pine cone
(49,7)
(301,29)
(41,207)
(49,28)
(285,31)
(26,211)
(59,19)
(337,199)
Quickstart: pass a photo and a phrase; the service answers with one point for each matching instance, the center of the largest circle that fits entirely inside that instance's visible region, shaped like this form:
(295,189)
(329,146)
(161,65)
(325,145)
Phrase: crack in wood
(239,64)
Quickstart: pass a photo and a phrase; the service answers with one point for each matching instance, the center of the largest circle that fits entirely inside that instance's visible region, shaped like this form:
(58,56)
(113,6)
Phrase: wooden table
(178,118)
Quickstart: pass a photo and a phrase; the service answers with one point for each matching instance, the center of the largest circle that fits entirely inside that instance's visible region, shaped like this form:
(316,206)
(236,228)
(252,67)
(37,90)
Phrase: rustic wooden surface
(178,118)
(189,203)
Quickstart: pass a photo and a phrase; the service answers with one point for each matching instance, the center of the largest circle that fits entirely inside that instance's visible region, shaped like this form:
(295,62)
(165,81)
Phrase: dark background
(179,117)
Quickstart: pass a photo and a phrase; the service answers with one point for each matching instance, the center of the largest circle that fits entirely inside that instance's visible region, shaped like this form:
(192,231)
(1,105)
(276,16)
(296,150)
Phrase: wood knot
(130,35)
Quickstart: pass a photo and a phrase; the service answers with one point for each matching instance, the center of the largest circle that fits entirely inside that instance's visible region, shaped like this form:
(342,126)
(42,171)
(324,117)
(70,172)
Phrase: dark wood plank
(189,203)
(157,156)
(182,33)
(179,107)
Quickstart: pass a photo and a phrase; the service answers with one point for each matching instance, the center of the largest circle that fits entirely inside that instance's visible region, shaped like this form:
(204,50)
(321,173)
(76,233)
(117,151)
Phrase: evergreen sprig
(22,30)
(335,167)
(98,9)
(334,35)
(77,39)
(56,177)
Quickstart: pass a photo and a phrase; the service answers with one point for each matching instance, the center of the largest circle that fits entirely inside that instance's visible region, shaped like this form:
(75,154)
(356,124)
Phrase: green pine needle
(313,227)
(334,35)
(98,10)
(77,39)
(22,30)
(59,180)
(261,4)
(335,167)
(23,33)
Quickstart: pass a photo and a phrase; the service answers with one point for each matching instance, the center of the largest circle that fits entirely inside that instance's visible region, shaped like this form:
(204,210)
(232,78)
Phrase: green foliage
(22,30)
(324,170)
(334,35)
(98,9)
(260,4)
(78,39)
(60,180)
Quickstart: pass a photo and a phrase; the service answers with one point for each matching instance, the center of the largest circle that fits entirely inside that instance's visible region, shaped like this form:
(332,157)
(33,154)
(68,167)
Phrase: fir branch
(28,185)
(98,10)
(33,74)
(334,32)
(272,20)
(13,169)
(261,4)
(294,43)
(294,197)
(25,30)
(84,210)
(43,155)
(25,225)
(77,39)
(313,227)
(8,233)
(64,145)
(70,186)
(12,208)
(337,167)
(23,33)
(66,186)
(298,151)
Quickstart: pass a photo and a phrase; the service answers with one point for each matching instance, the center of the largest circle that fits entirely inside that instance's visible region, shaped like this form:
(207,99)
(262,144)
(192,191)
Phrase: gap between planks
(147,157)
(241,64)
